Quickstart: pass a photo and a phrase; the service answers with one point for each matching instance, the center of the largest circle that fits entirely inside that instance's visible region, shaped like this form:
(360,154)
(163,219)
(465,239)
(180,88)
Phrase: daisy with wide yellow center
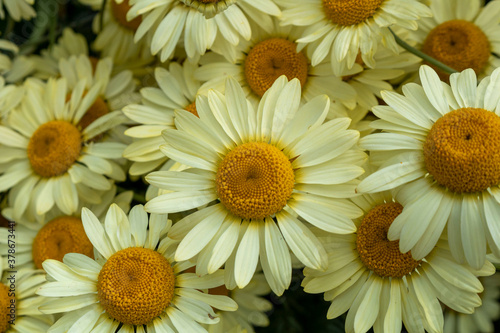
(382,287)
(133,283)
(340,29)
(461,34)
(259,171)
(56,234)
(50,159)
(268,55)
(199,24)
(19,303)
(177,89)
(442,147)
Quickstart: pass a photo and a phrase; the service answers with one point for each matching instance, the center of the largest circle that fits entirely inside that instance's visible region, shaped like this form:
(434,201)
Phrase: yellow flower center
(378,253)
(192,108)
(255,180)
(462,150)
(58,237)
(459,44)
(120,13)
(96,110)
(272,58)
(135,285)
(8,306)
(54,147)
(350,12)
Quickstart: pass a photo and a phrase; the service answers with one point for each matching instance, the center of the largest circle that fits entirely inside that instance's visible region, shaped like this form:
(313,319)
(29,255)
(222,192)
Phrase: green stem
(422,55)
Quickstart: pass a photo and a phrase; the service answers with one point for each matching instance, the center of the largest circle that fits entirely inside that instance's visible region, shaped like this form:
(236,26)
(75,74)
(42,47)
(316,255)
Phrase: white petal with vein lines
(247,254)
(179,201)
(302,241)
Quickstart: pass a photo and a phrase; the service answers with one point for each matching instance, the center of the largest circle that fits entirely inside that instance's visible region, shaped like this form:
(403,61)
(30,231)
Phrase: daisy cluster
(168,170)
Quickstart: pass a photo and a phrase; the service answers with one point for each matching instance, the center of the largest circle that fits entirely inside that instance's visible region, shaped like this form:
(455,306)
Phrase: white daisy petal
(247,254)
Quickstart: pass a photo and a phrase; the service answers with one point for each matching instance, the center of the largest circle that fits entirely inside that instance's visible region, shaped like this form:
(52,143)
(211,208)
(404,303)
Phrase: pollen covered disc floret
(192,108)
(255,180)
(459,44)
(378,253)
(462,150)
(61,236)
(350,12)
(54,147)
(135,285)
(272,58)
(120,10)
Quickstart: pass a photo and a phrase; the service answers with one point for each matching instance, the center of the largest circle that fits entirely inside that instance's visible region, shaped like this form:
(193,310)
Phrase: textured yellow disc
(120,13)
(378,253)
(96,110)
(58,237)
(255,180)
(458,44)
(462,150)
(54,147)
(350,12)
(272,58)
(5,302)
(192,108)
(136,285)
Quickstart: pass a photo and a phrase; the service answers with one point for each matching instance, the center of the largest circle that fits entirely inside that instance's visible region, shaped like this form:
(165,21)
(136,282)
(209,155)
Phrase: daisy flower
(177,89)
(115,90)
(18,9)
(135,281)
(261,169)
(369,82)
(56,235)
(48,158)
(116,38)
(345,28)
(461,34)
(20,303)
(199,24)
(382,287)
(265,57)
(70,43)
(442,142)
(481,321)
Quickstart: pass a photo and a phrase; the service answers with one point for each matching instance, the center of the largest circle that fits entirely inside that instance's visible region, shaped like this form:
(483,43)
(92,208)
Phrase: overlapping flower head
(198,25)
(341,30)
(49,156)
(134,283)
(17,9)
(20,304)
(57,234)
(47,63)
(382,287)
(177,89)
(115,38)
(461,34)
(257,170)
(446,151)
(484,316)
(265,57)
